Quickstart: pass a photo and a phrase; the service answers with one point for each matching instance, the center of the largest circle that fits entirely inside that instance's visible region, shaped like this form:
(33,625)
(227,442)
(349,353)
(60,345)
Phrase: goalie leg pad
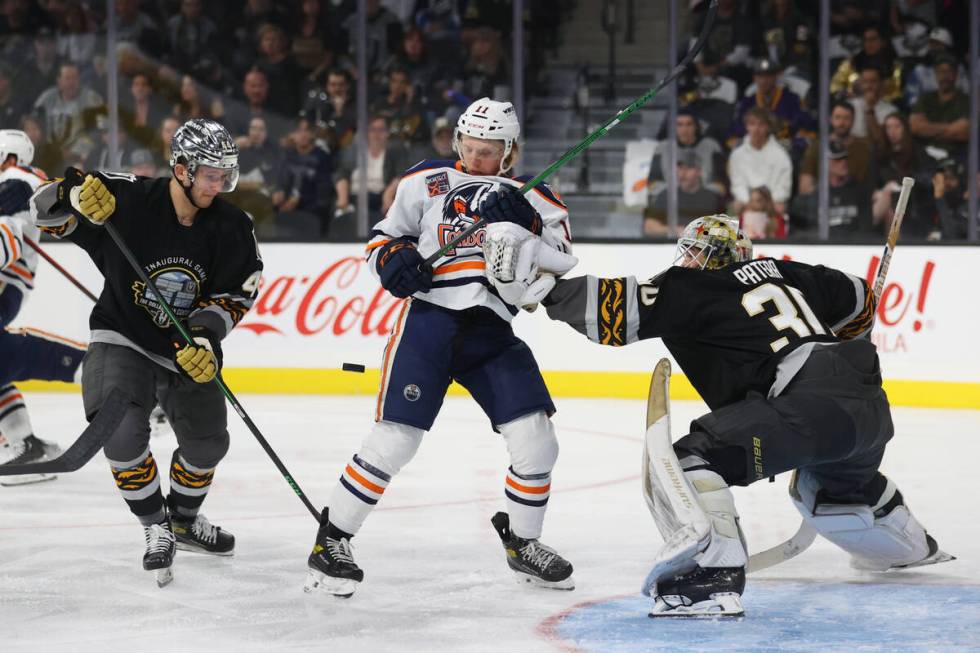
(386,449)
(878,537)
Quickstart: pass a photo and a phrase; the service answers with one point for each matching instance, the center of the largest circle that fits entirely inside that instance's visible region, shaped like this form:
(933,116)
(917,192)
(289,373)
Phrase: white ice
(436,578)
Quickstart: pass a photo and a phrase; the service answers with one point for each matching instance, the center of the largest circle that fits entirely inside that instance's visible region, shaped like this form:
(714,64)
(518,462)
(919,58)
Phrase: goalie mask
(16,142)
(202,142)
(490,120)
(712,242)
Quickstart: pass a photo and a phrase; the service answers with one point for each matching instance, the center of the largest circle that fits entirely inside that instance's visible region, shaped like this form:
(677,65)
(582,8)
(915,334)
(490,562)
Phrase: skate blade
(26,479)
(164,576)
(196,548)
(935,559)
(317,581)
(721,604)
(566,584)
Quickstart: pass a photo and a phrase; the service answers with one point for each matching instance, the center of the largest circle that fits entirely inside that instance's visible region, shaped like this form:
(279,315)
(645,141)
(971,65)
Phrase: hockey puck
(353,367)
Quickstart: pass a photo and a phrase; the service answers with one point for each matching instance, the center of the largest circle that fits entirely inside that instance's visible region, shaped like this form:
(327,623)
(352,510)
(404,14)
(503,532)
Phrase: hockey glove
(507,204)
(202,360)
(520,266)
(86,196)
(402,269)
(14,196)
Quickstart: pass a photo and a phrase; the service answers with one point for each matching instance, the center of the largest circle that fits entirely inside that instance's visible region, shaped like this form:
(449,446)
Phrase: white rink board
(320,306)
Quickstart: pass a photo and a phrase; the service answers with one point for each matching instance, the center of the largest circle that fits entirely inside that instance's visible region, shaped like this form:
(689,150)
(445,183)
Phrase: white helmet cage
(202,142)
(491,120)
(16,142)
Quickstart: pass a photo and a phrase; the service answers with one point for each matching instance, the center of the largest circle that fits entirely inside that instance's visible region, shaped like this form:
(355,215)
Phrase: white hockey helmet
(490,120)
(16,142)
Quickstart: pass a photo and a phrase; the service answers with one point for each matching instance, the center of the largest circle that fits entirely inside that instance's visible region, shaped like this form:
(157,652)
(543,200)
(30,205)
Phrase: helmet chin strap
(187,189)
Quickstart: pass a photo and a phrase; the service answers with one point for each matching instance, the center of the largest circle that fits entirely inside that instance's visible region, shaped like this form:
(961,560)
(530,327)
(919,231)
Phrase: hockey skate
(161,546)
(31,449)
(703,592)
(533,562)
(332,566)
(200,535)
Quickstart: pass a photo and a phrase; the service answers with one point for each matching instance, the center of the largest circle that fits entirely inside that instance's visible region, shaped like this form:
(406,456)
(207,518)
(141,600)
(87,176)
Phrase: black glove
(14,196)
(202,360)
(507,204)
(402,268)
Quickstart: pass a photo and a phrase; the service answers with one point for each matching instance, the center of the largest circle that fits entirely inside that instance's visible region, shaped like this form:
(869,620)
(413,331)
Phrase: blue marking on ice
(793,616)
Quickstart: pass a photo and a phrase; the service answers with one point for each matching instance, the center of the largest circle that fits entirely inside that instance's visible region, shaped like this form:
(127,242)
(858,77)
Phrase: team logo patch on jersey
(461,209)
(437,184)
(412,392)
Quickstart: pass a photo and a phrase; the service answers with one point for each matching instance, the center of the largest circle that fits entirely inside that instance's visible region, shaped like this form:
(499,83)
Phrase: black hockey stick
(63,271)
(126,252)
(87,445)
(599,132)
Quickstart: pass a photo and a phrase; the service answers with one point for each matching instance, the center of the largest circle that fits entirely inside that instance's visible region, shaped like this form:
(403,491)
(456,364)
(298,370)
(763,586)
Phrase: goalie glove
(202,360)
(519,266)
(86,196)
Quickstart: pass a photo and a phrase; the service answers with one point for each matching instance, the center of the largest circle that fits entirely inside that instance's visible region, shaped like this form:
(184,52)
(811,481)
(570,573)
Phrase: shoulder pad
(543,189)
(429,164)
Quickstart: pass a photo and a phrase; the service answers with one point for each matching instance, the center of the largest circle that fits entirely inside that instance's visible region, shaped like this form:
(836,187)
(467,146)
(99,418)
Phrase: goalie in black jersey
(779,352)
(201,253)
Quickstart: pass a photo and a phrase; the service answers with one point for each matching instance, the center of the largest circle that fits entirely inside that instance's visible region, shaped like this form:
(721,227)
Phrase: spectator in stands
(332,111)
(47,155)
(693,199)
(760,161)
(141,163)
(98,158)
(849,213)
(136,27)
(858,158)
(429,78)
(161,146)
(40,71)
(760,219)
(711,158)
(486,72)
(76,36)
(952,201)
(65,106)
(876,51)
(312,31)
(191,39)
(402,109)
(197,102)
(385,164)
(731,37)
(922,76)
(870,109)
(384,33)
(12,106)
(284,75)
(788,36)
(305,194)
(259,162)
(477,14)
(440,146)
(255,90)
(710,96)
(441,23)
(941,118)
(795,126)
(900,157)
(140,110)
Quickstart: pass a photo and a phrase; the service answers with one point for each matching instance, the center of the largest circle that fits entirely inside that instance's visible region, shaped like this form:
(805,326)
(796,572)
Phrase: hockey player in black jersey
(779,352)
(202,255)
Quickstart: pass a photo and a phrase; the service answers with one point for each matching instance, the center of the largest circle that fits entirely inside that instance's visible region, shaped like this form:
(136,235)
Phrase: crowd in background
(747,130)
(280,75)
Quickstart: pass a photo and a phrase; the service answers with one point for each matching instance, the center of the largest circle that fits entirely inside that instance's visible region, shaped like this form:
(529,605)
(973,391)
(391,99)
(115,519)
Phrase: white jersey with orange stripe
(18,261)
(436,200)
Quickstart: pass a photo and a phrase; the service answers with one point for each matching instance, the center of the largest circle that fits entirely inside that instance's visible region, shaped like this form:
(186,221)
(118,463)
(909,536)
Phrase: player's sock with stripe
(189,485)
(360,488)
(15,425)
(527,499)
(139,483)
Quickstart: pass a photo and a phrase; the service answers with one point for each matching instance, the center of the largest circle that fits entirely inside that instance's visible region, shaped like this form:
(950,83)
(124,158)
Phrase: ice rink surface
(436,578)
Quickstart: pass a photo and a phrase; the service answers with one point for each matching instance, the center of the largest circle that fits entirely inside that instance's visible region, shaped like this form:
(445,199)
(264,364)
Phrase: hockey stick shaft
(806,534)
(128,254)
(599,132)
(63,271)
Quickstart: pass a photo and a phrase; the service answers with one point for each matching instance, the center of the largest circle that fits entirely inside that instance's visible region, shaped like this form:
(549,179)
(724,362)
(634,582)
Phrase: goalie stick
(599,132)
(85,447)
(806,534)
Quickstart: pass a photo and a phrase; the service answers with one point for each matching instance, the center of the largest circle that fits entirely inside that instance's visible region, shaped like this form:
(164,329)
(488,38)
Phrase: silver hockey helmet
(203,142)
(711,242)
(16,142)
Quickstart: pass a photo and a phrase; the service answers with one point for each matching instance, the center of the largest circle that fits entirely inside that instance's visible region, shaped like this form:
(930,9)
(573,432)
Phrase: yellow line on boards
(610,385)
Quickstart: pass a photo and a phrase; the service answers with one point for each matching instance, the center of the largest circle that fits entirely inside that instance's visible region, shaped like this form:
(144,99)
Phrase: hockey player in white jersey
(455,326)
(24,353)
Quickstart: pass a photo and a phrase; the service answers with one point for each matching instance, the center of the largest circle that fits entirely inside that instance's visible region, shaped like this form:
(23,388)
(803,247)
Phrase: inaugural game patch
(437,184)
